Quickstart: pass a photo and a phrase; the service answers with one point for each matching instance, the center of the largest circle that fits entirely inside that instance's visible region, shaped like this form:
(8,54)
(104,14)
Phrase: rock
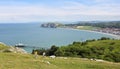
(47,62)
(65,57)
(98,60)
(15,50)
(11,49)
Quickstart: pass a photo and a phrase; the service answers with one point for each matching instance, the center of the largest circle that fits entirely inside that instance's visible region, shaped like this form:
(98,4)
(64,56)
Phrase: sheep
(52,56)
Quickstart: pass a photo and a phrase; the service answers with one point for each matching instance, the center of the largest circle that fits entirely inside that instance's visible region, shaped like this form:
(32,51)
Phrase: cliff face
(50,25)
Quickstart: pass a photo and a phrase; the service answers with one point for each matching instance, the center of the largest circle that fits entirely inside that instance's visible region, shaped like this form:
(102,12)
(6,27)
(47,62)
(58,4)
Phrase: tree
(59,52)
(52,50)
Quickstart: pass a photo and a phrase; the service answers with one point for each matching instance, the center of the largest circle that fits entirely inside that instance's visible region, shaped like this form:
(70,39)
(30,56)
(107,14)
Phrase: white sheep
(52,56)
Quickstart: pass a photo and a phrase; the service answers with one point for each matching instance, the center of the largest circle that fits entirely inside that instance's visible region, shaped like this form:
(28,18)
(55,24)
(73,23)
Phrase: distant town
(115,31)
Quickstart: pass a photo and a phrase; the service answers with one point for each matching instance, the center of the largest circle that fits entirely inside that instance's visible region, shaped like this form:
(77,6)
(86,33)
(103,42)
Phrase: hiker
(36,54)
(43,54)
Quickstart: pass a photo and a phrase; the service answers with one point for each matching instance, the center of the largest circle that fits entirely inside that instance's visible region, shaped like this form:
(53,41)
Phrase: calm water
(33,35)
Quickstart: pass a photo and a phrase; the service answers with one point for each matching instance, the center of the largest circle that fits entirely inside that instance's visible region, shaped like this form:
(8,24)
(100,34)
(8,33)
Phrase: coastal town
(114,31)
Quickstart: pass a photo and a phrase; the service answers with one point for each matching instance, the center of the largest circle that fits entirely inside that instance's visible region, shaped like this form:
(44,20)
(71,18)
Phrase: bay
(31,34)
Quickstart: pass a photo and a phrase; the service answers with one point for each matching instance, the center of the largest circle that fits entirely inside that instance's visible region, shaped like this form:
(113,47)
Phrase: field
(86,27)
(28,61)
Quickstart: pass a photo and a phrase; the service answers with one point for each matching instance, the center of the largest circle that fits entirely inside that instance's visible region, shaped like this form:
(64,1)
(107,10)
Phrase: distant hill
(101,24)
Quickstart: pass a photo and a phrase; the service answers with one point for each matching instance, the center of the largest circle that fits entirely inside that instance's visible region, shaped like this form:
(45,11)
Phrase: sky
(59,10)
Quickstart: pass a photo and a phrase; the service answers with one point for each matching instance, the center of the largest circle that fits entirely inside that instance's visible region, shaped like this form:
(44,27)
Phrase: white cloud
(70,10)
(97,9)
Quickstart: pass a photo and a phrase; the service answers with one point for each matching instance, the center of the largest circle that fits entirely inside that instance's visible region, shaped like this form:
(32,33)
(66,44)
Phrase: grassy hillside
(27,61)
(104,48)
(105,43)
(10,60)
(3,46)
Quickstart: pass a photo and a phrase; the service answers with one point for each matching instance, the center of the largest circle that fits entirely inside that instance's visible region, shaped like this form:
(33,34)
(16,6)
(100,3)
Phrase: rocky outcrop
(50,25)
(14,50)
(5,48)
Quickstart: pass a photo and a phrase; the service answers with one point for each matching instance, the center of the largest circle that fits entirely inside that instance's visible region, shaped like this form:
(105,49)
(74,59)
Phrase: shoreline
(114,36)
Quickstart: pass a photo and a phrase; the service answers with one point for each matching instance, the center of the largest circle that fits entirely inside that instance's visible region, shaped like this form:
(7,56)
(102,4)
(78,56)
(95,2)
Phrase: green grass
(2,46)
(105,43)
(86,27)
(27,61)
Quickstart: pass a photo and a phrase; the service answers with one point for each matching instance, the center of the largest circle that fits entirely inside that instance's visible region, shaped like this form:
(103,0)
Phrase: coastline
(114,36)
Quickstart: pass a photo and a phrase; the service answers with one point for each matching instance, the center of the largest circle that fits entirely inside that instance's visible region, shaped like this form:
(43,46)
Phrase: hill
(10,60)
(101,24)
(104,48)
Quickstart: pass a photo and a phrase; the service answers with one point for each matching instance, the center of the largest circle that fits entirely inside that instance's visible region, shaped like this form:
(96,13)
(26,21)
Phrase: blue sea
(31,34)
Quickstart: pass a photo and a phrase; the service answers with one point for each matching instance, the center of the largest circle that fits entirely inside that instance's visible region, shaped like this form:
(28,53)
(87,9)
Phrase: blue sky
(59,10)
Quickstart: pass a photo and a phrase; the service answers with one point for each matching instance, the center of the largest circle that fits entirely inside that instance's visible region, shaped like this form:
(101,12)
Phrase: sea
(33,36)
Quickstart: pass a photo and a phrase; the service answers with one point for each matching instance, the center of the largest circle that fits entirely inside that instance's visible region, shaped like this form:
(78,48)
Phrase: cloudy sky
(59,10)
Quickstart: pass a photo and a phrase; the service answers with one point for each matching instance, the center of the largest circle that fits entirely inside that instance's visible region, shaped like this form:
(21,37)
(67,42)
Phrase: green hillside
(9,60)
(27,61)
(104,48)
(105,43)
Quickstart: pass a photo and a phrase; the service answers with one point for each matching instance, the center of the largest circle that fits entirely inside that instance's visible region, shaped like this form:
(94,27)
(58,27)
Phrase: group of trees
(104,48)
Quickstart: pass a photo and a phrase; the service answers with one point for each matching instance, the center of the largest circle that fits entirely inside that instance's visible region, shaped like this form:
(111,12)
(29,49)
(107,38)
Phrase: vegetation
(104,48)
(86,27)
(3,46)
(48,52)
(27,61)
(107,24)
(9,60)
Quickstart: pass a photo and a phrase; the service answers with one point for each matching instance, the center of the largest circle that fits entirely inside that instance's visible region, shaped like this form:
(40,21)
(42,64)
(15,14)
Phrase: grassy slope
(2,46)
(106,43)
(27,61)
